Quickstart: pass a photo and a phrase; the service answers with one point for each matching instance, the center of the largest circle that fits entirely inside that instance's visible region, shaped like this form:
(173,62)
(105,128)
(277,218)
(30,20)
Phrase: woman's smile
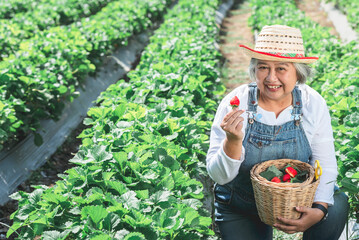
(273,88)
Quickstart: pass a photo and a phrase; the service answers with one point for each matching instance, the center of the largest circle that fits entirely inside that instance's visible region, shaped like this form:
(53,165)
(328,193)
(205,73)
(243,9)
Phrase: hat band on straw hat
(292,55)
(278,56)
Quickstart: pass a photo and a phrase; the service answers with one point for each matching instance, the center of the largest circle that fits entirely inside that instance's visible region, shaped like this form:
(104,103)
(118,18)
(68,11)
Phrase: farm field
(135,168)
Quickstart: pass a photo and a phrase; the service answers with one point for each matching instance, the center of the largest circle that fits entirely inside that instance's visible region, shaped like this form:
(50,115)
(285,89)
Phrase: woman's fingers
(237,121)
(239,124)
(233,121)
(232,114)
(235,118)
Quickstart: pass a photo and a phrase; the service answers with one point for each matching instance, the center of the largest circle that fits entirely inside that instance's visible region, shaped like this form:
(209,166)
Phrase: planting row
(36,81)
(11,7)
(350,9)
(42,16)
(146,142)
(336,79)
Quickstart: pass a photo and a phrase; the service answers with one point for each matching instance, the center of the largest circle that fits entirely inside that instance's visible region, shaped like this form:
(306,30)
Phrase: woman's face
(275,80)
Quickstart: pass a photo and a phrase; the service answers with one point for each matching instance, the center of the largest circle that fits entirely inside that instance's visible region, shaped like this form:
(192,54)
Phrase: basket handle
(317,169)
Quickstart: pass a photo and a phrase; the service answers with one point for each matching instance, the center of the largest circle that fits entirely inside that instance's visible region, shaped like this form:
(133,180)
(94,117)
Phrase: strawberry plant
(46,69)
(8,120)
(146,143)
(37,17)
(9,8)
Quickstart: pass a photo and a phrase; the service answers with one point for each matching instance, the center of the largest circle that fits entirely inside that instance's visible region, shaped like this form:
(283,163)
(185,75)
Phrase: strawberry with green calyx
(286,178)
(291,171)
(276,179)
(234,102)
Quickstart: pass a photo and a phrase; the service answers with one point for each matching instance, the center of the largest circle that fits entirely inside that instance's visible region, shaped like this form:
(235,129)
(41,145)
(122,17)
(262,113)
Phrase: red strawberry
(286,178)
(234,102)
(275,179)
(291,171)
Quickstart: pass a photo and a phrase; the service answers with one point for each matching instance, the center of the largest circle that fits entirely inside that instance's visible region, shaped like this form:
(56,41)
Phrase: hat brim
(272,57)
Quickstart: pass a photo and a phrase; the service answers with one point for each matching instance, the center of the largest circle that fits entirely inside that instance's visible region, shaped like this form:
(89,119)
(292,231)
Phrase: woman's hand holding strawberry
(232,124)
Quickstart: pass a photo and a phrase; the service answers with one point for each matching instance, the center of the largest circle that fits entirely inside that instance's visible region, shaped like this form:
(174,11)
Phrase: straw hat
(279,43)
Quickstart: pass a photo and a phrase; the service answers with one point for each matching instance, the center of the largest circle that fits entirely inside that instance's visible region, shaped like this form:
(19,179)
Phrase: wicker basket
(280,199)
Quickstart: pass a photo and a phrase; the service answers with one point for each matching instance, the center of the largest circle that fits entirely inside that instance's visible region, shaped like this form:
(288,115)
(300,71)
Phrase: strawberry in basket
(286,174)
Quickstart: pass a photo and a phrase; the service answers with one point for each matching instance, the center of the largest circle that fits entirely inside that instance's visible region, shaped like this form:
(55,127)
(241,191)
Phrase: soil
(235,31)
(314,11)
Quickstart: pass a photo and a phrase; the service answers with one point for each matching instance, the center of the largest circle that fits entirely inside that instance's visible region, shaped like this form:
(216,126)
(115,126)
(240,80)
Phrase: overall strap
(297,105)
(252,102)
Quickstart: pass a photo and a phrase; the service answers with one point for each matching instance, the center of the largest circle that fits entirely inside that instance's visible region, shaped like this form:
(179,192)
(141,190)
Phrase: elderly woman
(279,116)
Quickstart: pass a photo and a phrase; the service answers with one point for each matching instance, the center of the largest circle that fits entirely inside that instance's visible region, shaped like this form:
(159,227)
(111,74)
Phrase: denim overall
(261,142)
(234,201)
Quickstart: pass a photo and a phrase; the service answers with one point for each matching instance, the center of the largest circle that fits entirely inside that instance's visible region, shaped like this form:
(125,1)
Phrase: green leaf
(87,142)
(24,212)
(191,217)
(159,196)
(120,110)
(355,175)
(35,196)
(96,112)
(102,236)
(16,196)
(120,157)
(107,175)
(350,186)
(55,235)
(142,194)
(13,228)
(167,182)
(62,89)
(205,221)
(300,177)
(99,154)
(118,186)
(171,163)
(96,213)
(193,203)
(38,228)
(1,106)
(88,121)
(94,194)
(135,236)
(129,200)
(160,154)
(141,219)
(121,234)
(343,104)
(55,198)
(112,221)
(168,218)
(271,172)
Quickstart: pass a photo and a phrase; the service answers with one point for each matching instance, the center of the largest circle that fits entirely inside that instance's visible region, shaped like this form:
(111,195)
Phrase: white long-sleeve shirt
(316,124)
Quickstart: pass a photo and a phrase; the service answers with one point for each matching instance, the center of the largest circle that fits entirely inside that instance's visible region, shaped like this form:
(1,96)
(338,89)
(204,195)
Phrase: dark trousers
(250,227)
